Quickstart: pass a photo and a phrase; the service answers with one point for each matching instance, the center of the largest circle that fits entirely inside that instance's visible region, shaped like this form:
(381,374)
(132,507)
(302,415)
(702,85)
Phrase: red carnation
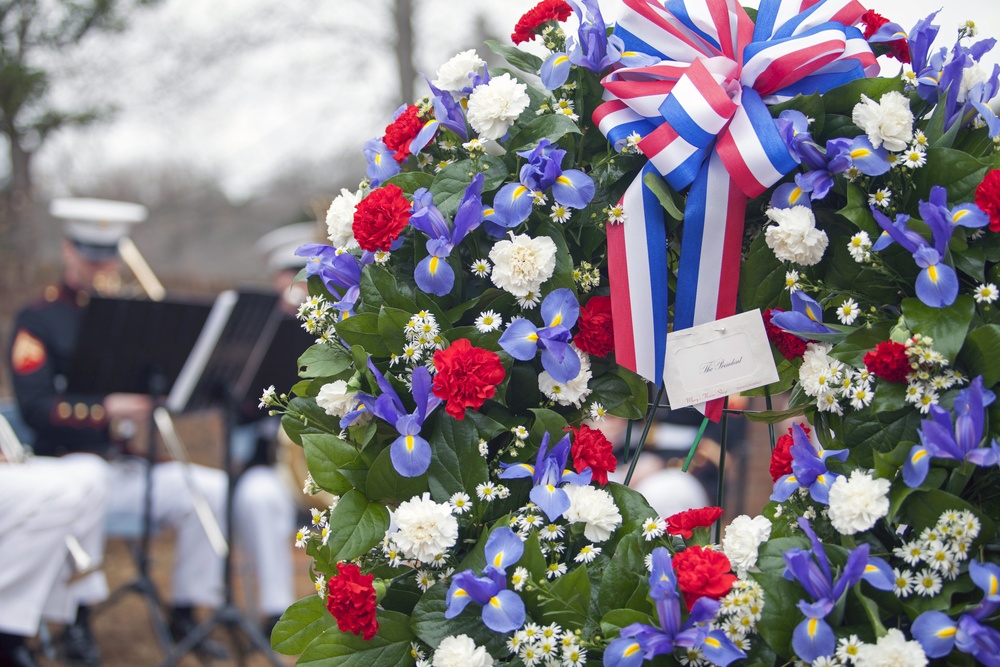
(702,573)
(466,376)
(592,450)
(791,347)
(888,361)
(897,48)
(684,523)
(401,132)
(546,10)
(351,599)
(988,198)
(380,218)
(595,334)
(781,457)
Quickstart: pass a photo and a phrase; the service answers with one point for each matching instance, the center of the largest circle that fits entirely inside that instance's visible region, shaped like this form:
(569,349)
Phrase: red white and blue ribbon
(702,116)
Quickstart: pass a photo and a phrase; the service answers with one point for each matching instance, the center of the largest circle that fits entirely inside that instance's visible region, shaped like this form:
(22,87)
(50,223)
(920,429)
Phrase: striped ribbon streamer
(702,118)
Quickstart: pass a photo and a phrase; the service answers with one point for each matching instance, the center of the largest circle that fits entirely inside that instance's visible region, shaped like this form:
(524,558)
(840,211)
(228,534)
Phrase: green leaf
(811,105)
(301,623)
(980,353)
(841,100)
(616,619)
(524,61)
(449,185)
(633,505)
(335,464)
(947,326)
(429,624)
(569,601)
(456,464)
(356,526)
(389,648)
(324,360)
(362,329)
(638,401)
(624,583)
(762,277)
(547,421)
(391,322)
(780,614)
(387,486)
(549,126)
(852,349)
(776,416)
(665,194)
(410,181)
(379,288)
(959,172)
(306,417)
(923,509)
(858,211)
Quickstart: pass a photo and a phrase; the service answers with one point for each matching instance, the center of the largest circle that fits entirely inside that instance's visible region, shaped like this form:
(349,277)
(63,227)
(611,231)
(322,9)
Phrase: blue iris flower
(938,634)
(813,637)
(939,438)
(381,164)
(639,641)
(588,49)
(433,274)
(503,610)
(808,469)
(410,453)
(937,283)
(805,317)
(522,339)
(340,272)
(572,188)
(547,474)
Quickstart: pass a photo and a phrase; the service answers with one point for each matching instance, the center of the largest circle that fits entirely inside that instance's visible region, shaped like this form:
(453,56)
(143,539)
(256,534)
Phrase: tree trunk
(404,49)
(17,234)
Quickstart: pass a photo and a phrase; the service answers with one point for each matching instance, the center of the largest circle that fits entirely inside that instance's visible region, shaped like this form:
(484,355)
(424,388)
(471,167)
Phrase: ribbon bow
(702,116)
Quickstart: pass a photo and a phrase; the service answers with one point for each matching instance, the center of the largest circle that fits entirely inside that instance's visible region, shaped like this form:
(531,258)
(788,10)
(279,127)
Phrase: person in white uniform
(43,501)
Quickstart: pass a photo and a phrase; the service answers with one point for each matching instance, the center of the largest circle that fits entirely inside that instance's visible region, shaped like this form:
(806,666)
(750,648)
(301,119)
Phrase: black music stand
(136,347)
(218,373)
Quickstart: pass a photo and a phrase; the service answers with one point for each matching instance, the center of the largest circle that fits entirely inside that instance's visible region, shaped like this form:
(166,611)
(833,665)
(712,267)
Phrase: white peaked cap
(97,222)
(278,246)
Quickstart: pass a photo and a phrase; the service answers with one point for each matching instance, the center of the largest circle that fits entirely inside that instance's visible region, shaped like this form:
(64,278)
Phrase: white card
(718,359)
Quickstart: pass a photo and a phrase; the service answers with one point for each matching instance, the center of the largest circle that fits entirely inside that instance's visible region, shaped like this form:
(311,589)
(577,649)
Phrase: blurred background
(227,119)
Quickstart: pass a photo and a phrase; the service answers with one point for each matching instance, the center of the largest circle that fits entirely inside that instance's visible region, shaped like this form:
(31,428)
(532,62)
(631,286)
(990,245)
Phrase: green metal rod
(721,497)
(694,445)
(645,432)
(770,427)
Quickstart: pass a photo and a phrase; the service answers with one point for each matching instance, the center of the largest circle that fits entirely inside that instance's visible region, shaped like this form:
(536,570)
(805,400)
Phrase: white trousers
(41,502)
(264,518)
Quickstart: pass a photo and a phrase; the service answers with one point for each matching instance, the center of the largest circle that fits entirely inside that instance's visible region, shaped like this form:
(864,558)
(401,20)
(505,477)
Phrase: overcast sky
(245,89)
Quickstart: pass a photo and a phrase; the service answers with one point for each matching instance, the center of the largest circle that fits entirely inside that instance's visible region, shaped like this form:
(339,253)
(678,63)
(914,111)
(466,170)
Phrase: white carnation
(336,400)
(892,650)
(493,107)
(340,219)
(456,74)
(461,651)
(742,539)
(522,264)
(426,529)
(593,507)
(795,238)
(857,503)
(888,121)
(574,392)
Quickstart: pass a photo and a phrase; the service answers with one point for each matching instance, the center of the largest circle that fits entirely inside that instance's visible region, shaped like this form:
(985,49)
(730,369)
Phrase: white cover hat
(278,246)
(96,225)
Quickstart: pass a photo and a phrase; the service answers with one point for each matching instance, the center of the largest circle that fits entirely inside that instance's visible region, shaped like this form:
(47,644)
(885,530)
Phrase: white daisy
(985,293)
(488,321)
(481,268)
(848,311)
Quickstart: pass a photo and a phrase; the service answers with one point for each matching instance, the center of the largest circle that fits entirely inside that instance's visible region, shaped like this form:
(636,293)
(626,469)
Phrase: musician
(42,501)
(42,349)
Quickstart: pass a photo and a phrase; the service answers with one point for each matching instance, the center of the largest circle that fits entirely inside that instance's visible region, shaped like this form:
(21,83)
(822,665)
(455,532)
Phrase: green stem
(770,427)
(694,445)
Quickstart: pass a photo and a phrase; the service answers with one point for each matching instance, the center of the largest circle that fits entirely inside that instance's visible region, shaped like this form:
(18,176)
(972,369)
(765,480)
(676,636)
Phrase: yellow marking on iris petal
(813,625)
(532,337)
(993,585)
(562,180)
(378,159)
(560,60)
(947,632)
(556,320)
(551,488)
(488,211)
(860,152)
(495,602)
(459,593)
(870,568)
(409,443)
(794,197)
(498,560)
(519,191)
(919,454)
(810,314)
(821,479)
(959,215)
(932,273)
(791,478)
(713,642)
(631,650)
(434,265)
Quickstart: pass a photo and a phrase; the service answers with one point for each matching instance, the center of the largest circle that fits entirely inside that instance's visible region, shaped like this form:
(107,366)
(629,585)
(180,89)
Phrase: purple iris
(433,274)
(547,474)
(381,164)
(639,642)
(843,153)
(937,283)
(447,109)
(522,339)
(339,271)
(805,317)
(808,469)
(813,637)
(572,187)
(589,49)
(410,453)
(938,634)
(503,610)
(939,438)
